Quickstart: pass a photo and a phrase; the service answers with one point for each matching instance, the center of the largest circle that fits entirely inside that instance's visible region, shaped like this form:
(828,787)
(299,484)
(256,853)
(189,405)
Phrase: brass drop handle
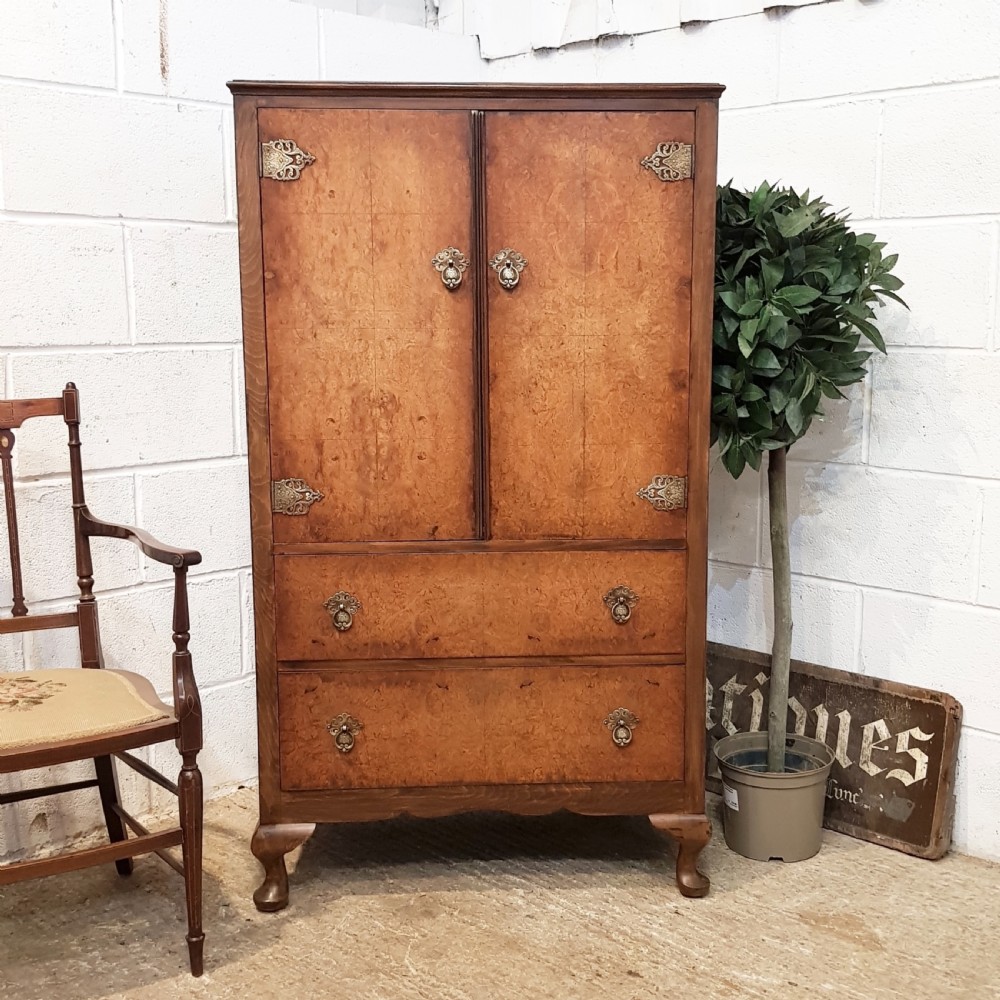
(343,729)
(508,265)
(451,264)
(621,722)
(342,607)
(620,602)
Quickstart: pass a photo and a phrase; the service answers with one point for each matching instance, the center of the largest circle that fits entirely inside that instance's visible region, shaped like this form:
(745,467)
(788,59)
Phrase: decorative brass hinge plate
(293,497)
(666,492)
(282,160)
(671,161)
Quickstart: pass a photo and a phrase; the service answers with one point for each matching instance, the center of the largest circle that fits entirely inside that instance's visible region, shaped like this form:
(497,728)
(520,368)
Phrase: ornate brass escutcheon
(508,265)
(665,492)
(670,161)
(450,263)
(621,601)
(293,497)
(343,729)
(282,160)
(342,607)
(621,722)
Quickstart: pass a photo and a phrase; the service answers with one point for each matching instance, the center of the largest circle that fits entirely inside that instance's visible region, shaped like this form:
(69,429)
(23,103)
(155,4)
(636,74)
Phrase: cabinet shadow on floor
(456,853)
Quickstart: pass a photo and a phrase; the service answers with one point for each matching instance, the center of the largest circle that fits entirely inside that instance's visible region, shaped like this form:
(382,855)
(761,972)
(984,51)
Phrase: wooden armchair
(56,716)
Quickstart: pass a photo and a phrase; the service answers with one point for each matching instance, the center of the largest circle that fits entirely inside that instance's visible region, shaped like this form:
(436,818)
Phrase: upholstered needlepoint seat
(47,706)
(84,711)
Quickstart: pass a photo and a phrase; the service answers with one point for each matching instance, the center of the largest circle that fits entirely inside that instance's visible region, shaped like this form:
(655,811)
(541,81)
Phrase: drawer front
(480,604)
(502,725)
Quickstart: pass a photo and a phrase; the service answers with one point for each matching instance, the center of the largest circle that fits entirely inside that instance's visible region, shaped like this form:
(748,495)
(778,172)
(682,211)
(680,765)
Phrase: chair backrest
(13,413)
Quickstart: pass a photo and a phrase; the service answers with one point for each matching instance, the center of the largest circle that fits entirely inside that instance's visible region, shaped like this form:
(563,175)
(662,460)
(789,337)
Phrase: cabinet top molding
(479,91)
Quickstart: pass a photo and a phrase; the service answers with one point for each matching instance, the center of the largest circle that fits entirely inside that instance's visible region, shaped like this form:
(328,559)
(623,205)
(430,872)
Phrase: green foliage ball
(795,291)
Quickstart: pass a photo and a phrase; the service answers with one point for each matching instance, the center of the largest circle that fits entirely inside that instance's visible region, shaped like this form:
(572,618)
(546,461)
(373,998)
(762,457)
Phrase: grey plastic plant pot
(773,816)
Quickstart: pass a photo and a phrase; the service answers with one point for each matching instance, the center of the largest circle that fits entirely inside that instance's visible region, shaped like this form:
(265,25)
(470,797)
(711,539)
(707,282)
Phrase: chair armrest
(168,554)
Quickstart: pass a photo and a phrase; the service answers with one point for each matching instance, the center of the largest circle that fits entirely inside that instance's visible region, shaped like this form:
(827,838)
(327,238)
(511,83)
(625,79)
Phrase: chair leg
(107,782)
(189,787)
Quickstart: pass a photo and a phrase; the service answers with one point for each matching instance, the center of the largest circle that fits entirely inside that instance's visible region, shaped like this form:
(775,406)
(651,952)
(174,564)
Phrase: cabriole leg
(270,844)
(692,833)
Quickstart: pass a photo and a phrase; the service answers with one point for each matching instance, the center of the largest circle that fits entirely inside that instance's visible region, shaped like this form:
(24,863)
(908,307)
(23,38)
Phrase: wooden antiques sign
(893,781)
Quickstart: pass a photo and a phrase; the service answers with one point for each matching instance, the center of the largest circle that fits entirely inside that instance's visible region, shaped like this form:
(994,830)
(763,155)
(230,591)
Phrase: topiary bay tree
(795,297)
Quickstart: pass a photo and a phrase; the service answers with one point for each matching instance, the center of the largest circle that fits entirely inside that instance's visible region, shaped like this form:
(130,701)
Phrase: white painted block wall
(118,269)
(888,108)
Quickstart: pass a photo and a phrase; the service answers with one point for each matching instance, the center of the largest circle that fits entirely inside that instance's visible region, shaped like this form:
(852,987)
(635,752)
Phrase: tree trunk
(781,650)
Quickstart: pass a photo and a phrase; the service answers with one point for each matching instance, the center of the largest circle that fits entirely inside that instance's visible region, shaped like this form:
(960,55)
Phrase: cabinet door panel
(370,357)
(589,353)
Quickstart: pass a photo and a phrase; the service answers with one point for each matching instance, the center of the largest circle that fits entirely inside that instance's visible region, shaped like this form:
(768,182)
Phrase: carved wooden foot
(692,833)
(196,954)
(270,844)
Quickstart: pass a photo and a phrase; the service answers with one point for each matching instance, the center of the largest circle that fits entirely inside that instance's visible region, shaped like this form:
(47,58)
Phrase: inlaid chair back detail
(13,414)
(56,716)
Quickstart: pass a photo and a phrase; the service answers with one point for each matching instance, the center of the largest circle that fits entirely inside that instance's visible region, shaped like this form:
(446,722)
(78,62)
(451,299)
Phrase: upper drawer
(480,604)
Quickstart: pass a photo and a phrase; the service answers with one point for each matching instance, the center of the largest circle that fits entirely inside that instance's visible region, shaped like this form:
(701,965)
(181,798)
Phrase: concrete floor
(484,907)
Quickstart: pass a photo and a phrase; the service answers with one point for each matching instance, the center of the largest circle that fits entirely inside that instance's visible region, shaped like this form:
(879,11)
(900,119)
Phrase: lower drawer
(479,725)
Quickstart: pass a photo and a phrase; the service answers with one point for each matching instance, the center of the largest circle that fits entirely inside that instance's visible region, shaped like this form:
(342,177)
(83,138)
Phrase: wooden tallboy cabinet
(477,326)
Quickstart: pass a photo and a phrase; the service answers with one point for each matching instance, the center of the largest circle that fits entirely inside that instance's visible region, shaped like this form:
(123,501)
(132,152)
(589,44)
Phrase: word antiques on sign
(893,780)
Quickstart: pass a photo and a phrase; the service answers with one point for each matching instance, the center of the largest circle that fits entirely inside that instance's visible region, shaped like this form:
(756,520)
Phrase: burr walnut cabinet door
(479,604)
(369,355)
(492,725)
(589,352)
